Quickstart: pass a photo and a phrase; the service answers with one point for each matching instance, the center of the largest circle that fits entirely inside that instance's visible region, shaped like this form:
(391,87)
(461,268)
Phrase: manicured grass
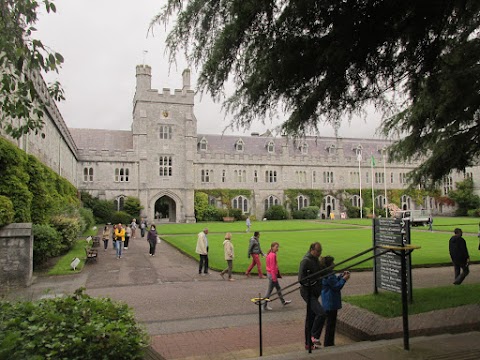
(341,243)
(389,304)
(62,267)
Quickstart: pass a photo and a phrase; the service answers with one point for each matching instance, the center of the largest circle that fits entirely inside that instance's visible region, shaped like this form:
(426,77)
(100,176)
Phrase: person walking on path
(332,299)
(309,276)
(133,225)
(143,227)
(430,223)
(128,235)
(229,254)
(202,250)
(459,255)
(273,274)
(119,239)
(105,237)
(152,238)
(114,240)
(248,223)
(254,251)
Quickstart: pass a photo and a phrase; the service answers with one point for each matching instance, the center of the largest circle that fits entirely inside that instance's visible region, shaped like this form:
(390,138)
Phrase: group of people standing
(316,277)
(121,236)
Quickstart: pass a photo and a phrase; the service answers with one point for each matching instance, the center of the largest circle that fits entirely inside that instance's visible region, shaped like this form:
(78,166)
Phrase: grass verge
(389,304)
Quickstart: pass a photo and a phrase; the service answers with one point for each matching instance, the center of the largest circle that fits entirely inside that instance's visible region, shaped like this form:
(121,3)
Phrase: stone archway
(165,210)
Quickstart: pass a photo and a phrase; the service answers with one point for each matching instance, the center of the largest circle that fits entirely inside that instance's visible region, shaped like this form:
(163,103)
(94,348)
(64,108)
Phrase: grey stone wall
(16,255)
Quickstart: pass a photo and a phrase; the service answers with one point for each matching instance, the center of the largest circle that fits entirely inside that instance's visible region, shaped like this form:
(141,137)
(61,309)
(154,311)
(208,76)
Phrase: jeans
(255,261)
(203,263)
(118,246)
(314,320)
(271,285)
(153,245)
(105,244)
(459,277)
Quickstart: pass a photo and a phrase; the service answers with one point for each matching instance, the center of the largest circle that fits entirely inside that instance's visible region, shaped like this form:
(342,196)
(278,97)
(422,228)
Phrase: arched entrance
(165,210)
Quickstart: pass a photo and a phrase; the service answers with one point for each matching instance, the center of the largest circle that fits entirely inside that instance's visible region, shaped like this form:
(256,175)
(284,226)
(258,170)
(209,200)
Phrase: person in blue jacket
(332,298)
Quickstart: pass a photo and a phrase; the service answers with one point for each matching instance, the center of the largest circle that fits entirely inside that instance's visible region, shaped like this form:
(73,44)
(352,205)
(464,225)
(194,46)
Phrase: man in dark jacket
(459,254)
(309,276)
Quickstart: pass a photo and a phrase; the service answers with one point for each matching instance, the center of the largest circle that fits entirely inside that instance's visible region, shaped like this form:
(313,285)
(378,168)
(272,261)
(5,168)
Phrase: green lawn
(342,242)
(389,304)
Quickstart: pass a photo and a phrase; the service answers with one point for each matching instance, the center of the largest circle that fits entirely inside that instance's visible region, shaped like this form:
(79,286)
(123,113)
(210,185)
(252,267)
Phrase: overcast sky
(102,41)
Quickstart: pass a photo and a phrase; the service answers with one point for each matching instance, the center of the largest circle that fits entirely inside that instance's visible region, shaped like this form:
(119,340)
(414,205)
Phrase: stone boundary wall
(16,255)
(363,325)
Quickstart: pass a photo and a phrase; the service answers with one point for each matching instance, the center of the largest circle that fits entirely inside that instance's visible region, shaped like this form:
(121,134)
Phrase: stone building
(162,161)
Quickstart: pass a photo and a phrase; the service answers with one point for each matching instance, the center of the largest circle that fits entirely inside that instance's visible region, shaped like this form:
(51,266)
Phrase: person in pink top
(273,275)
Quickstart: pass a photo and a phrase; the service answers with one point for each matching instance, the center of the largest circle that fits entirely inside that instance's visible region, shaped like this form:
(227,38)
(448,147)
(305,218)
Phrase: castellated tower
(165,138)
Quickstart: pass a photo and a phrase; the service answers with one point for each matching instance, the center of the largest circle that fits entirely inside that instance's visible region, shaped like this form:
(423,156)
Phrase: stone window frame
(203,144)
(240,145)
(165,132)
(165,166)
(270,201)
(122,174)
(271,147)
(302,201)
(87,174)
(240,202)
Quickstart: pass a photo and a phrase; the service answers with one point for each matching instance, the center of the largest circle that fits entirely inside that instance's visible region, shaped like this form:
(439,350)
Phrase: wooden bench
(96,242)
(91,254)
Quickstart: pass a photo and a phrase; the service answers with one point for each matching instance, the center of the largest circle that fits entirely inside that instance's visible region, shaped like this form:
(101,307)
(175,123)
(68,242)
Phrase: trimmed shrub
(73,327)
(236,213)
(47,243)
(121,217)
(132,206)
(211,213)
(473,213)
(69,229)
(88,219)
(276,212)
(200,204)
(7,213)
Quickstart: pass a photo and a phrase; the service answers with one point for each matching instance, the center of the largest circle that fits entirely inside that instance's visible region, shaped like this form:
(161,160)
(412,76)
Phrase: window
(271,147)
(314,176)
(224,176)
(271,176)
(402,178)
(366,177)
(354,177)
(165,166)
(468,175)
(301,177)
(239,145)
(122,175)
(356,201)
(332,150)
(329,201)
(240,202)
(205,175)
(328,177)
(119,202)
(302,202)
(212,200)
(406,202)
(240,175)
(255,176)
(391,178)
(304,148)
(270,201)
(380,201)
(379,178)
(88,174)
(447,185)
(203,144)
(165,132)
(358,152)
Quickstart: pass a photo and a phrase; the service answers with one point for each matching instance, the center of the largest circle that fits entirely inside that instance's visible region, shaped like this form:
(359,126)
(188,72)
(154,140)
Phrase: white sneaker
(268,308)
(287,302)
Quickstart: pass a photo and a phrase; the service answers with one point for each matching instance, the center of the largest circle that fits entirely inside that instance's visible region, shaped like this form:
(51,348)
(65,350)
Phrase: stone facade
(162,160)
(16,255)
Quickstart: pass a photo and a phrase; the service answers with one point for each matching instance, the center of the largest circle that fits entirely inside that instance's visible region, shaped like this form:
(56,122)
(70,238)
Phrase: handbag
(159,241)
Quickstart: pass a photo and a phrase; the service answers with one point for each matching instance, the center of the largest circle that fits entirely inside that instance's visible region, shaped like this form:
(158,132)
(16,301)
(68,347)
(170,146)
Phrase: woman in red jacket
(273,274)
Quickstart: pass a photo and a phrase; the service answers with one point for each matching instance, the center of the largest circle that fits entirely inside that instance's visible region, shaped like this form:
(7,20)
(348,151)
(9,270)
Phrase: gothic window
(118,203)
(380,201)
(379,178)
(406,202)
(240,202)
(270,201)
(203,144)
(329,201)
(271,147)
(271,176)
(122,175)
(224,176)
(302,202)
(88,174)
(239,145)
(356,201)
(165,166)
(255,176)
(303,148)
(165,132)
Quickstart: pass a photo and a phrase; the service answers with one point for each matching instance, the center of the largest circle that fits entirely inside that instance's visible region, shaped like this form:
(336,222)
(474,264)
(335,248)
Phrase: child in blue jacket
(332,298)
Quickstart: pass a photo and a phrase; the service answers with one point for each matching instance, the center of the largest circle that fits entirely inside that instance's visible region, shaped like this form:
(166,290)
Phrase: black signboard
(387,267)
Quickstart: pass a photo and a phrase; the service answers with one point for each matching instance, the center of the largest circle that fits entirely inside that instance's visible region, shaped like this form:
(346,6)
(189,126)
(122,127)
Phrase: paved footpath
(204,317)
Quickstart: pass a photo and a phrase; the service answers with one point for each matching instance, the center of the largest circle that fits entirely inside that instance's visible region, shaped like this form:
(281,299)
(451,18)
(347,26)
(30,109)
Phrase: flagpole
(359,158)
(373,195)
(385,183)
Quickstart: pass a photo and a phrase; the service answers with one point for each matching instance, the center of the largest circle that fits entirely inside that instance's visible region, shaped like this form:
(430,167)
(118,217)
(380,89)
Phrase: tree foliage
(465,197)
(325,60)
(22,58)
